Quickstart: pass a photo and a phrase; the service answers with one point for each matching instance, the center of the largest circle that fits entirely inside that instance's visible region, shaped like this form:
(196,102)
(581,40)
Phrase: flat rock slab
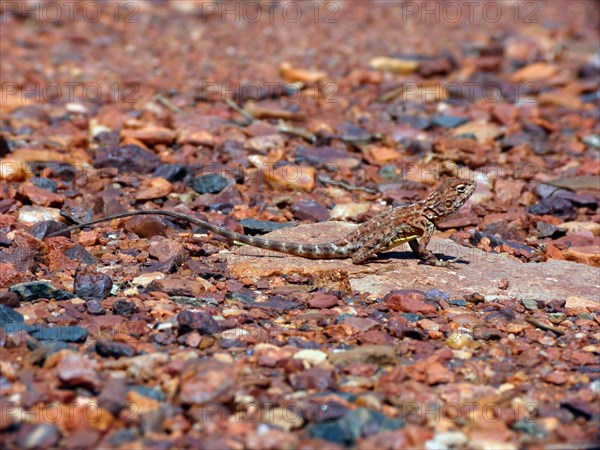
(481,272)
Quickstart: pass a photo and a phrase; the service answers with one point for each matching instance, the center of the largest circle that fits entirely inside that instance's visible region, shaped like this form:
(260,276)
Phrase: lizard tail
(339,249)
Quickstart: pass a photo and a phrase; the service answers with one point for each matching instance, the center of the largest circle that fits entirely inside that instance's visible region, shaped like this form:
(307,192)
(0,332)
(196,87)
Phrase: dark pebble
(188,321)
(254,227)
(448,121)
(106,348)
(547,230)
(43,435)
(309,209)
(123,308)
(122,436)
(207,270)
(243,295)
(80,254)
(436,295)
(31,112)
(42,229)
(127,158)
(388,173)
(9,299)
(39,289)
(65,334)
(93,286)
(212,183)
(9,315)
(361,422)
(39,351)
(458,302)
(277,303)
(95,308)
(412,317)
(45,183)
(171,172)
(555,206)
(153,393)
(420,123)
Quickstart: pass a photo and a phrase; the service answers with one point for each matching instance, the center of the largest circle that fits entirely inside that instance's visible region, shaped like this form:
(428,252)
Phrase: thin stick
(237,108)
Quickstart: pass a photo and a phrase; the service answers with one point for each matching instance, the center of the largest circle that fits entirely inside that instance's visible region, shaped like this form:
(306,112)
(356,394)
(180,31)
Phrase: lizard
(414,223)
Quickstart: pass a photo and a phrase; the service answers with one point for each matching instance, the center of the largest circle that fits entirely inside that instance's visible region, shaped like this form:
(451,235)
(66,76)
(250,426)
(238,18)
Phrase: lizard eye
(461,188)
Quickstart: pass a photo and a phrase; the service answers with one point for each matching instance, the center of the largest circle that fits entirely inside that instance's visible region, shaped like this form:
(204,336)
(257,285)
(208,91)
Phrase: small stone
(537,71)
(150,135)
(95,308)
(75,370)
(123,308)
(106,348)
(291,177)
(9,316)
(410,302)
(45,183)
(35,290)
(575,227)
(394,65)
(203,322)
(530,304)
(205,381)
(327,157)
(164,248)
(310,209)
(311,356)
(153,188)
(558,378)
(372,354)
(322,301)
(209,184)
(92,286)
(181,287)
(126,158)
(80,254)
(145,279)
(42,229)
(43,435)
(264,144)
(64,334)
(254,227)
(39,196)
(30,214)
(8,299)
(88,238)
(547,230)
(349,211)
(446,121)
(171,172)
(146,226)
(555,206)
(592,140)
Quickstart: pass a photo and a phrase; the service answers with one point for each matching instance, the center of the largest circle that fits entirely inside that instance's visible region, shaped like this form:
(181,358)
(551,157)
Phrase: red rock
(9,275)
(163,248)
(557,378)
(75,370)
(407,301)
(206,380)
(146,226)
(581,358)
(39,196)
(322,301)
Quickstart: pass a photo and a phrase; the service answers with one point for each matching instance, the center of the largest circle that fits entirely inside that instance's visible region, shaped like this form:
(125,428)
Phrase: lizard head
(449,197)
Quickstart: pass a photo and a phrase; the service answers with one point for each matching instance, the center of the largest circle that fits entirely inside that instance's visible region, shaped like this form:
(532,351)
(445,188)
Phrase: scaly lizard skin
(383,232)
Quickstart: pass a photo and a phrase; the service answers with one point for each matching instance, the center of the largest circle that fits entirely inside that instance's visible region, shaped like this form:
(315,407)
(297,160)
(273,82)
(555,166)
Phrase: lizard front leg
(420,248)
